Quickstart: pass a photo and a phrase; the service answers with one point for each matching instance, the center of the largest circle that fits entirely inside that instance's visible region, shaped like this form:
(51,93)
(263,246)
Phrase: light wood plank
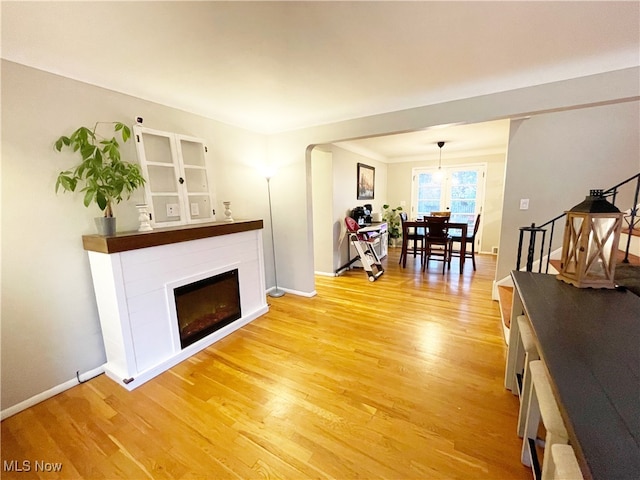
(398,378)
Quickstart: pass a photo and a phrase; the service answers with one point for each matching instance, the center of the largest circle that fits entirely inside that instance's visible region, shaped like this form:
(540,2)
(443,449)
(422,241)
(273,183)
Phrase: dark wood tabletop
(589,340)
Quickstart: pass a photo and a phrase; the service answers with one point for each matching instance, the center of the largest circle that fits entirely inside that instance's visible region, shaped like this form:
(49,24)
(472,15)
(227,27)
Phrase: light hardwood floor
(397,379)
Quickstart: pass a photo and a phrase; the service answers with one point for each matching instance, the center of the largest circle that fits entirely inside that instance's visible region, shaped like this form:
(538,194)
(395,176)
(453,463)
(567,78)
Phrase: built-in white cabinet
(177,190)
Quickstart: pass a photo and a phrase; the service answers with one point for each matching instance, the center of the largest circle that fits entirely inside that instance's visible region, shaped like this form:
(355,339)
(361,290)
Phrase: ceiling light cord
(439,176)
(440,145)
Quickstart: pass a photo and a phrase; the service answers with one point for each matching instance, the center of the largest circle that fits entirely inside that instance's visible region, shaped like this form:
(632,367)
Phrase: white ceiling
(488,138)
(277,66)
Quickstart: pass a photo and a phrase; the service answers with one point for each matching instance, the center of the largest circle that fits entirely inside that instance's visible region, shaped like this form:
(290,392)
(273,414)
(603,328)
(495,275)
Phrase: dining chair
(412,234)
(444,213)
(437,242)
(470,241)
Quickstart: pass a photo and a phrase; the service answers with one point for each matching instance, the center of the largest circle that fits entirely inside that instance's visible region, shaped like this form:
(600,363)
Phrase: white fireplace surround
(134,293)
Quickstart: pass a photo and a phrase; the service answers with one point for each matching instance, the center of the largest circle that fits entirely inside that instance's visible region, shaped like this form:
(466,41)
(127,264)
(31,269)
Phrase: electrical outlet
(172,210)
(524,204)
(195,210)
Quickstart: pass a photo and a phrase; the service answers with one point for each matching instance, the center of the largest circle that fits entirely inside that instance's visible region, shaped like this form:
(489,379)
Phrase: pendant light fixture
(439,175)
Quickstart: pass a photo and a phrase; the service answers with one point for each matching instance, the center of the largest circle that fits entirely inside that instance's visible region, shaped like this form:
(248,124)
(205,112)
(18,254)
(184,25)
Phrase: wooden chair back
(441,214)
(476,226)
(436,227)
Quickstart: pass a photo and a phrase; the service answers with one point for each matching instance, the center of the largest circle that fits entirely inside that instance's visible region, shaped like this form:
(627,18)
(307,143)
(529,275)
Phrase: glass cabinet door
(177,189)
(192,152)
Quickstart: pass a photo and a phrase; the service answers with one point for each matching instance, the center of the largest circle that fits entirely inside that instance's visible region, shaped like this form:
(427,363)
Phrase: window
(177,189)
(460,190)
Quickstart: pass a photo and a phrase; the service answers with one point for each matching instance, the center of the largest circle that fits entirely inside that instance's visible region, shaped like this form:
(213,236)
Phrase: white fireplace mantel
(134,274)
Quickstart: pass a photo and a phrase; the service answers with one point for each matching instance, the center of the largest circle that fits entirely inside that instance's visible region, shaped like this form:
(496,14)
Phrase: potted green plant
(394,224)
(105,178)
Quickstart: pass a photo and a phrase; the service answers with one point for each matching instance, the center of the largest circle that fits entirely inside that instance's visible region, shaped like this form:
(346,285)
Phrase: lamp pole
(276,292)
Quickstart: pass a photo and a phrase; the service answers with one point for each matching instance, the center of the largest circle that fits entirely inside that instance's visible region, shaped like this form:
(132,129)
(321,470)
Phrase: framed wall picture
(366,181)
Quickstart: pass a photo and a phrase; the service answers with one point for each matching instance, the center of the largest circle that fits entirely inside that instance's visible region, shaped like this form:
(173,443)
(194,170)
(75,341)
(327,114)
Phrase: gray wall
(323,221)
(399,185)
(289,149)
(556,158)
(334,173)
(345,168)
(50,325)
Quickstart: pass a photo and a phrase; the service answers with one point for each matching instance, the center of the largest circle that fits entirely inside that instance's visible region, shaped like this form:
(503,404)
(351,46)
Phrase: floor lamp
(276,292)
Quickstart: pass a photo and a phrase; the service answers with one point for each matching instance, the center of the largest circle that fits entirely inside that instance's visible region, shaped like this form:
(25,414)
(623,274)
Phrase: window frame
(445,194)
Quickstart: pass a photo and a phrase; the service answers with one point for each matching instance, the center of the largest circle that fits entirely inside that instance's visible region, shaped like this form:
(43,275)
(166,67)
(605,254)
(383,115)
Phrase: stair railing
(632,220)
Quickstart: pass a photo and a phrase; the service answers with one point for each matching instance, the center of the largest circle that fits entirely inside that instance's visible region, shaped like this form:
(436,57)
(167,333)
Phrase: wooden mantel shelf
(125,241)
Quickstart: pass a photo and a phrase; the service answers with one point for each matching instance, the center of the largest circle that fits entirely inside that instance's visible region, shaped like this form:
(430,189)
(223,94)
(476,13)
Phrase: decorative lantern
(590,245)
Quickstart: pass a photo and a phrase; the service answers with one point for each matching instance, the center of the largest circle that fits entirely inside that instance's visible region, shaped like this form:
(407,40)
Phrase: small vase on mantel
(143,217)
(227,212)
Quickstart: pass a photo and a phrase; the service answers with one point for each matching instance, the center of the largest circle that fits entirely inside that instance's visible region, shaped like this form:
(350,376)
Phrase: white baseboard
(52,392)
(325,274)
(310,294)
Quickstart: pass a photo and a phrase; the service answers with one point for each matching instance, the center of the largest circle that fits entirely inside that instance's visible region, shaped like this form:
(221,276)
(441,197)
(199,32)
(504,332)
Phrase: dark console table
(589,340)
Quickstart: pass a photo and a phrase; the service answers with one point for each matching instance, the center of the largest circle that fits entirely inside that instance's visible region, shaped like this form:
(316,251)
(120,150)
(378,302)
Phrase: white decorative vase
(227,212)
(143,218)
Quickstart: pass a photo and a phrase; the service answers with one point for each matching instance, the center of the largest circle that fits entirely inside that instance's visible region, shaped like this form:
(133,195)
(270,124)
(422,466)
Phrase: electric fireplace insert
(207,305)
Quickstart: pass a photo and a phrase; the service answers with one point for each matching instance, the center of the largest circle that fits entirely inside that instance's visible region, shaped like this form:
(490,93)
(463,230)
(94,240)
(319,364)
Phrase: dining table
(415,224)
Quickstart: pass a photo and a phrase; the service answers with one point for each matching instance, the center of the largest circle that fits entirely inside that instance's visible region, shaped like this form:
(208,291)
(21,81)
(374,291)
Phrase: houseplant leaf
(105,176)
